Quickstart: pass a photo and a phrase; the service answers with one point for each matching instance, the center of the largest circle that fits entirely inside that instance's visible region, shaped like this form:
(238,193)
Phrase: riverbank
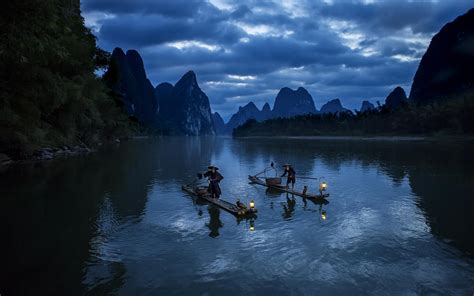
(370,138)
(49,153)
(342,138)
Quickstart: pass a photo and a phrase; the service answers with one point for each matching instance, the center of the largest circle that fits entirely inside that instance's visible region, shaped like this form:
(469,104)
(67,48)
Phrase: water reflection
(55,207)
(111,280)
(322,213)
(215,222)
(252,225)
(446,199)
(440,174)
(289,207)
(106,215)
(272,192)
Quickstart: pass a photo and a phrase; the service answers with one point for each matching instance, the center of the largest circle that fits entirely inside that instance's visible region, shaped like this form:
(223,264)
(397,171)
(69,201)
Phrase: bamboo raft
(315,197)
(201,192)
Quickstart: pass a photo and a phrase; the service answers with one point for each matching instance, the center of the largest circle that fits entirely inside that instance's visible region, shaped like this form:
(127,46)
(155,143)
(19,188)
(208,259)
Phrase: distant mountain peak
(250,105)
(399,90)
(249,111)
(186,107)
(136,63)
(293,102)
(219,124)
(165,84)
(333,106)
(137,92)
(366,106)
(396,98)
(301,89)
(187,80)
(133,53)
(266,108)
(190,75)
(118,52)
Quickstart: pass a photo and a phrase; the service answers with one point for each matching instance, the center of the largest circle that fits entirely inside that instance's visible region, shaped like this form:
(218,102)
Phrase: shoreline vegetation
(51,100)
(344,138)
(446,117)
(387,138)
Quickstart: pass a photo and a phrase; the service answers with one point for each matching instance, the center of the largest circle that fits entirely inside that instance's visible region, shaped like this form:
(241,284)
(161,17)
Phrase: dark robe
(214,179)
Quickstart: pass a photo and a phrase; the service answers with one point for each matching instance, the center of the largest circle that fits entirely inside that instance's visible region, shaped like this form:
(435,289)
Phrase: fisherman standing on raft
(214,178)
(291,175)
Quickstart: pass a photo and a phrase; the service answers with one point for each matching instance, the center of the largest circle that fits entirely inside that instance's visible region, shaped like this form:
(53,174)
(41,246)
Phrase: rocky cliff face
(219,124)
(137,91)
(333,106)
(446,67)
(293,102)
(185,107)
(366,106)
(396,98)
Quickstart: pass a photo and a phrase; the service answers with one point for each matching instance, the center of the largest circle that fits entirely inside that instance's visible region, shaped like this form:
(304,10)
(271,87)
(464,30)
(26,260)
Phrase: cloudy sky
(247,50)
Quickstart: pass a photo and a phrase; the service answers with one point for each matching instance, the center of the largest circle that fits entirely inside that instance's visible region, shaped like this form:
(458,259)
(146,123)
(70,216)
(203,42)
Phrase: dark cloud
(241,12)
(137,30)
(248,50)
(174,8)
(392,16)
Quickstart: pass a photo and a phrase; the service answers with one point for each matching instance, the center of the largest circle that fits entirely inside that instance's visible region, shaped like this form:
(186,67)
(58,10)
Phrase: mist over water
(399,220)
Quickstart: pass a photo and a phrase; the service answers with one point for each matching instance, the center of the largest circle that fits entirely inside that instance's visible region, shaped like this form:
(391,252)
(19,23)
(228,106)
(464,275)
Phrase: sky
(248,50)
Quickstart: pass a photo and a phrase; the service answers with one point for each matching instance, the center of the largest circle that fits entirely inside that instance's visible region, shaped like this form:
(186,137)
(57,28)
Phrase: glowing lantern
(252,204)
(323,215)
(323,186)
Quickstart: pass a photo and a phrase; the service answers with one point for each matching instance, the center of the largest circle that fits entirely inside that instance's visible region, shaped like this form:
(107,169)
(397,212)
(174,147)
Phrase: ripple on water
(375,237)
(213,270)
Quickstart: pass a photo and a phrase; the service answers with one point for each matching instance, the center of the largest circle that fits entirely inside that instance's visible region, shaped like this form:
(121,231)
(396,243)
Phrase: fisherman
(214,178)
(291,175)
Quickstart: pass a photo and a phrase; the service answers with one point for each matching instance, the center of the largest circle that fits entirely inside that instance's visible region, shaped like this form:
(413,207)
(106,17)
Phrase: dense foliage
(49,94)
(447,116)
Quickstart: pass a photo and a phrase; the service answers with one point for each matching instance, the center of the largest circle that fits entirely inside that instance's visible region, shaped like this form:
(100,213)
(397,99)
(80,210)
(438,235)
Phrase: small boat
(316,197)
(201,192)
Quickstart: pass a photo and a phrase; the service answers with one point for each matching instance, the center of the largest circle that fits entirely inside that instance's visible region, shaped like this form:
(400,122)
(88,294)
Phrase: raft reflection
(215,222)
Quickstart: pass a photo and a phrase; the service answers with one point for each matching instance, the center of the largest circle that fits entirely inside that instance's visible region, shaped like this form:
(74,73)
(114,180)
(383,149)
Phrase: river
(400,220)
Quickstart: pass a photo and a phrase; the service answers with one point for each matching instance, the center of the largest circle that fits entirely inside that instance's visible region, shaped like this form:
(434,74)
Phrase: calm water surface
(400,221)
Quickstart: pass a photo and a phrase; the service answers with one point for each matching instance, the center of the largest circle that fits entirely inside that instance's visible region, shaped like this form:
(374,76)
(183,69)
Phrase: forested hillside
(452,116)
(49,94)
